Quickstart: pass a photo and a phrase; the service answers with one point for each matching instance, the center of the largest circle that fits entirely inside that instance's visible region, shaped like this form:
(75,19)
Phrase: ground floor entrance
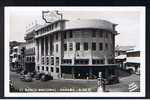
(30,67)
(88,72)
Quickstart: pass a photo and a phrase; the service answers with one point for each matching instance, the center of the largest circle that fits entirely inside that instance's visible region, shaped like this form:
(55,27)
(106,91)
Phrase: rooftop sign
(51,16)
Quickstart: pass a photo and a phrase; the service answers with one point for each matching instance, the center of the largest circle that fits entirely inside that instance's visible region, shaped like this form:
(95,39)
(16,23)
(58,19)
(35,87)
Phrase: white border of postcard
(141,9)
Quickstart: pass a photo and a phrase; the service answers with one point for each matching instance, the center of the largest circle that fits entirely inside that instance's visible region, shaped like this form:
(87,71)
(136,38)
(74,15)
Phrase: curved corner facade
(73,49)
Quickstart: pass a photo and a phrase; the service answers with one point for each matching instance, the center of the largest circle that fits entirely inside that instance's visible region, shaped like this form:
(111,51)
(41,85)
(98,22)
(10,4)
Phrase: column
(106,60)
(49,54)
(44,40)
(90,72)
(36,53)
(39,53)
(73,73)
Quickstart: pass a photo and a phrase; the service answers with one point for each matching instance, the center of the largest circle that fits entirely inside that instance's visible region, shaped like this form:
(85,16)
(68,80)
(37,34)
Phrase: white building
(76,48)
(30,48)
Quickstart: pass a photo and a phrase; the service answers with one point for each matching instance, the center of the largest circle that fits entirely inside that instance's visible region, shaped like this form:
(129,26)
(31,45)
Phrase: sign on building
(51,16)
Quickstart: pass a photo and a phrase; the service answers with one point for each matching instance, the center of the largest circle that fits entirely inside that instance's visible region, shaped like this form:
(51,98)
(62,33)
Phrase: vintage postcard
(75,51)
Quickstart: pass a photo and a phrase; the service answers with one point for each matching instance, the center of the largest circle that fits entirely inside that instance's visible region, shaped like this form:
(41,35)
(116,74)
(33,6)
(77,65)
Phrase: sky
(128,20)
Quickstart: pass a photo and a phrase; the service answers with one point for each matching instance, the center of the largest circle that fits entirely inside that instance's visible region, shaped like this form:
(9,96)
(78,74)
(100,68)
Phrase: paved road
(84,85)
(124,84)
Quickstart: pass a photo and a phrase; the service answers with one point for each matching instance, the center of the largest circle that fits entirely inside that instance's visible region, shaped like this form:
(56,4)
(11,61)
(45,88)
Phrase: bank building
(75,49)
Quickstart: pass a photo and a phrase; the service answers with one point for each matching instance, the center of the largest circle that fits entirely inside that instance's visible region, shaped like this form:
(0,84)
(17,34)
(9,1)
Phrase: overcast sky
(128,21)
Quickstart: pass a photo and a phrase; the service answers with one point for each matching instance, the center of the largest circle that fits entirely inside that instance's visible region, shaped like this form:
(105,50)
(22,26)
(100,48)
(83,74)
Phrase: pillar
(90,72)
(36,53)
(73,76)
(44,53)
(106,60)
(49,53)
(39,54)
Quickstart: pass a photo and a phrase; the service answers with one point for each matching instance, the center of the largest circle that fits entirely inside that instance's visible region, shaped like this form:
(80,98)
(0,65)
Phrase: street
(72,85)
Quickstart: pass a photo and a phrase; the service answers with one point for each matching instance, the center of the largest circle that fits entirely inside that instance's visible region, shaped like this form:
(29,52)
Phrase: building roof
(90,23)
(15,43)
(124,48)
(35,27)
(46,24)
(134,50)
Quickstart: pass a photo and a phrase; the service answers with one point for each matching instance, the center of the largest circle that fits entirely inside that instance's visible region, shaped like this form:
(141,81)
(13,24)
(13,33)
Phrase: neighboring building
(121,54)
(11,45)
(121,50)
(68,49)
(133,61)
(30,49)
(128,57)
(17,56)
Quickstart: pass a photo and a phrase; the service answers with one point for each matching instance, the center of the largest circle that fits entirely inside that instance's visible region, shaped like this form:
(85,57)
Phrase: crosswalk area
(133,87)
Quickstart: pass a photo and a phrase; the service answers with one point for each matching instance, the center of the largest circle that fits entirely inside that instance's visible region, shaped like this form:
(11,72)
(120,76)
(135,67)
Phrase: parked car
(26,78)
(46,77)
(38,76)
(22,77)
(23,72)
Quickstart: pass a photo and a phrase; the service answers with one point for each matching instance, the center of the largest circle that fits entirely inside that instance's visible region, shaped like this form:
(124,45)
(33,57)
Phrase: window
(65,47)
(42,67)
(94,33)
(15,55)
(57,70)
(42,60)
(97,61)
(93,61)
(82,61)
(46,68)
(52,60)
(106,46)
(57,60)
(85,46)
(42,46)
(56,36)
(26,58)
(38,67)
(100,46)
(65,35)
(110,61)
(66,61)
(106,35)
(112,35)
(70,46)
(19,57)
(33,59)
(133,54)
(70,34)
(52,47)
(77,46)
(52,69)
(15,50)
(93,46)
(101,34)
(47,60)
(56,47)
(46,45)
(102,61)
(30,59)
